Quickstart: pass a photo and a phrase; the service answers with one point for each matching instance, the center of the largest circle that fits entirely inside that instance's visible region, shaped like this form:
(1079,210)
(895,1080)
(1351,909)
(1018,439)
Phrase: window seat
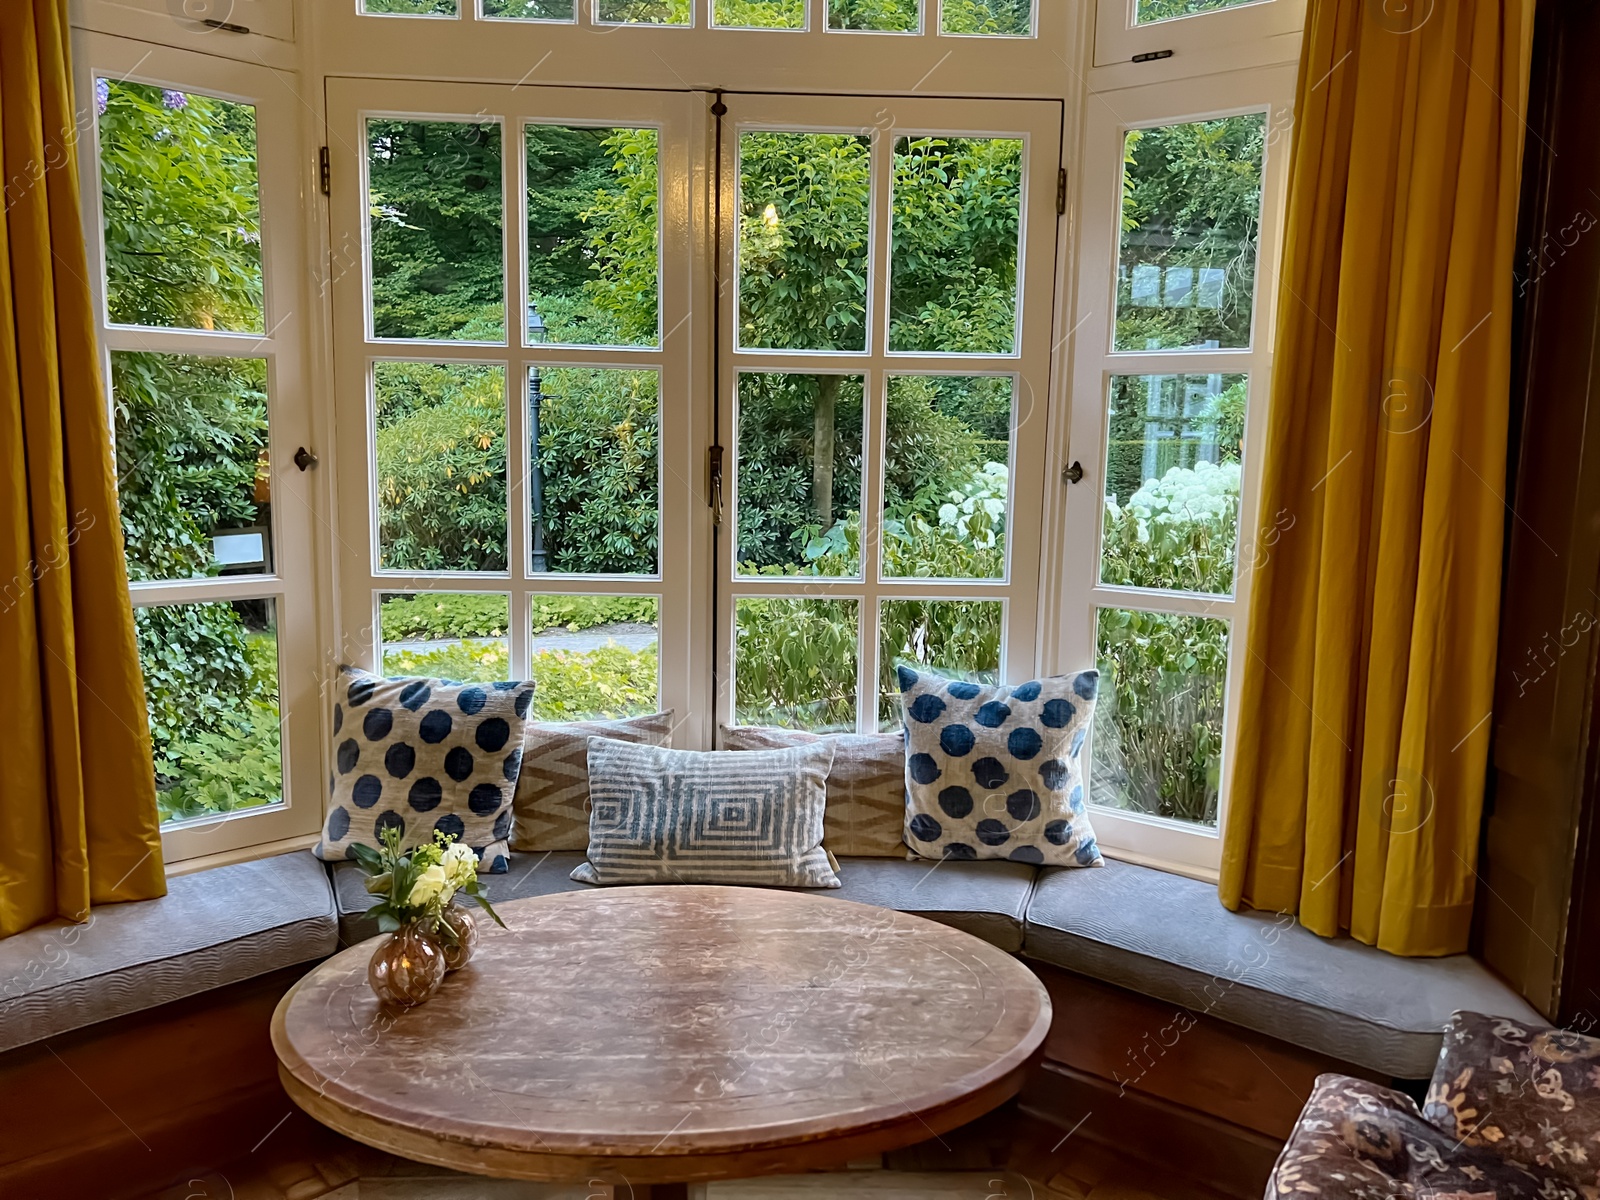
(988,900)
(1146,931)
(1167,936)
(212,928)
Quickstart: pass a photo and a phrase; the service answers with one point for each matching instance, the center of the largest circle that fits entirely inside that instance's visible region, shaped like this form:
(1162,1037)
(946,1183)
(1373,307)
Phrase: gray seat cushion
(1169,937)
(212,928)
(985,899)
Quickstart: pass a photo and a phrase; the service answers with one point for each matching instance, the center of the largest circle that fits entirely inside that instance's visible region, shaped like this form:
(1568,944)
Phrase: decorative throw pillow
(552,803)
(1531,1092)
(421,755)
(685,816)
(866,787)
(996,772)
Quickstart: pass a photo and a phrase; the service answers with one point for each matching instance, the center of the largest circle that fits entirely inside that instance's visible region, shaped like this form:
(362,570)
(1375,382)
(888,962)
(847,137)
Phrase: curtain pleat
(78,821)
(1364,720)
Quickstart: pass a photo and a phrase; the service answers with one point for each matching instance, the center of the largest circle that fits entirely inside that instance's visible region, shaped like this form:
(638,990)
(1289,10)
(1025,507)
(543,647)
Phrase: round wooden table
(650,1035)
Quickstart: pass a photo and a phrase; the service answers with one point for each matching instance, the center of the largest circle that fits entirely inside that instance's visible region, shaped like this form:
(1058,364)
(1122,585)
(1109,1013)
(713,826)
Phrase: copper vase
(407,967)
(458,952)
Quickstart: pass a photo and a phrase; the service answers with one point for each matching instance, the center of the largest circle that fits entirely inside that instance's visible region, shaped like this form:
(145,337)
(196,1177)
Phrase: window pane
(805,205)
(798,450)
(961,637)
(594,489)
(409,8)
(596,657)
(643,12)
(531,10)
(947,486)
(893,16)
(593,237)
(182,208)
(795,663)
(434,192)
(957,220)
(446,635)
(194,483)
(1149,11)
(441,467)
(1007,18)
(1158,725)
(211,686)
(760,14)
(1172,481)
(1191,219)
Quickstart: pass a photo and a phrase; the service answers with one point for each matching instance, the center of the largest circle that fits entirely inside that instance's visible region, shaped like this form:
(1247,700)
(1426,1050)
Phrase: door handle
(1072,474)
(304,459)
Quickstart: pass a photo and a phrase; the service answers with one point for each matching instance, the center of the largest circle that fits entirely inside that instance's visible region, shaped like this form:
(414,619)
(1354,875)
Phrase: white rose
(429,885)
(460,864)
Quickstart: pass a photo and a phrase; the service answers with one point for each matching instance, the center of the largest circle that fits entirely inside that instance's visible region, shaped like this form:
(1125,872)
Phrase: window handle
(1072,474)
(304,459)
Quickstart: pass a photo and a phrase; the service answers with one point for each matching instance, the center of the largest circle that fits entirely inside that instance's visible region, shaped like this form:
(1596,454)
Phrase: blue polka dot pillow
(423,755)
(997,772)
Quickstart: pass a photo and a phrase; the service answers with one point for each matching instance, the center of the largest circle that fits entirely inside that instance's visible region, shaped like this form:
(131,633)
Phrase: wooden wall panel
(130,1105)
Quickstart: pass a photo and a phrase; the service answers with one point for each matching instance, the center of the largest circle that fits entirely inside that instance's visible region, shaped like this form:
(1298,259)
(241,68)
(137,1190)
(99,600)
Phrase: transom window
(971,18)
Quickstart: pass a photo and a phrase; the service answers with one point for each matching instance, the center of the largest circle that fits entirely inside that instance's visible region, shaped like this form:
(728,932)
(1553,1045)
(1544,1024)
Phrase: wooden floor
(1006,1156)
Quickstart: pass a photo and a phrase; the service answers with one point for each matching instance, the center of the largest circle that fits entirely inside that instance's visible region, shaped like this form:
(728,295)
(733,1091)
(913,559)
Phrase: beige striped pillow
(552,801)
(866,788)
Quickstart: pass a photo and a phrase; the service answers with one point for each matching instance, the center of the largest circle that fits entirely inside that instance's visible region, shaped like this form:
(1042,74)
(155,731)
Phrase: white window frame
(1205,41)
(684,545)
(885,119)
(1222,61)
(1171,844)
(585,53)
(297,501)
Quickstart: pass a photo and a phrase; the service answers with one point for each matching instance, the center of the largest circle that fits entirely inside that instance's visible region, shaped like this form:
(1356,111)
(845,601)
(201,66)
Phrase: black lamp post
(536,336)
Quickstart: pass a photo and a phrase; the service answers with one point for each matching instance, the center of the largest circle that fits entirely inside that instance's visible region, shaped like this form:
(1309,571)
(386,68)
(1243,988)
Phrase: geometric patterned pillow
(866,787)
(997,771)
(552,803)
(684,816)
(420,755)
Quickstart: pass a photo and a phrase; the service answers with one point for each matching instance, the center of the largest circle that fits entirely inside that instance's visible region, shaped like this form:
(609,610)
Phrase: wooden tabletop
(652,1034)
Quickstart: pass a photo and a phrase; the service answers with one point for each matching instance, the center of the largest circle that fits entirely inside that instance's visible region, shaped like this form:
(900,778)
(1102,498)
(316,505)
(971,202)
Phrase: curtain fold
(78,821)
(1369,674)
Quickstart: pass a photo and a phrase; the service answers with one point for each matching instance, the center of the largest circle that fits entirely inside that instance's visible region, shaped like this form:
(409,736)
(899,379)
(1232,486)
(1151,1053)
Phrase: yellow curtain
(78,823)
(1364,726)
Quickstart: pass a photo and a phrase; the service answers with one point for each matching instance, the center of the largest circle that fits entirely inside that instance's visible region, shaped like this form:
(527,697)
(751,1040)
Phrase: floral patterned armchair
(1513,1112)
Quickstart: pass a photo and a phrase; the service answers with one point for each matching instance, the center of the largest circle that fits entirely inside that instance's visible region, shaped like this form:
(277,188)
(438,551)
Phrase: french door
(634,397)
(887,273)
(516,353)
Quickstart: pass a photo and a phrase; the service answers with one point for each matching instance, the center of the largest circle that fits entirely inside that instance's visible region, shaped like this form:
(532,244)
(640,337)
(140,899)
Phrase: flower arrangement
(426,936)
(417,886)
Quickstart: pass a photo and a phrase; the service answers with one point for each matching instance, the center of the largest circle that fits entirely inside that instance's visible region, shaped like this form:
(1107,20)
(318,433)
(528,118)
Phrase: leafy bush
(599,446)
(610,681)
(472,661)
(1180,531)
(796,662)
(441,459)
(1158,728)
(434,616)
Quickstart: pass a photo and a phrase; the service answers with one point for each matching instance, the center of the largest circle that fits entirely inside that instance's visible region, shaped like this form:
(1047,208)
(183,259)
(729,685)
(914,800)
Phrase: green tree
(437,222)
